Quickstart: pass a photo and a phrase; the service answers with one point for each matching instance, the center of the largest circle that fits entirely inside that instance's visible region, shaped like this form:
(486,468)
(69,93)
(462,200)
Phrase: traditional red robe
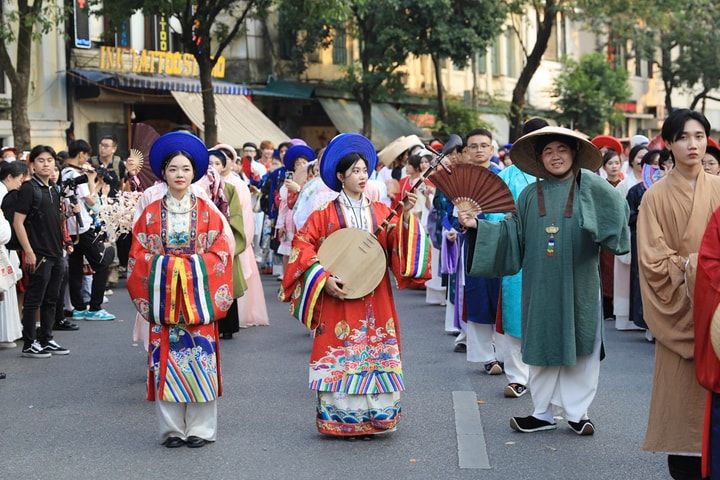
(707,299)
(181,288)
(356,349)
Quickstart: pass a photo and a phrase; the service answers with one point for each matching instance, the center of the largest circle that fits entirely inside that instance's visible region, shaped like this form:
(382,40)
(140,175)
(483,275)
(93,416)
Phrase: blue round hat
(341,146)
(297,151)
(179,142)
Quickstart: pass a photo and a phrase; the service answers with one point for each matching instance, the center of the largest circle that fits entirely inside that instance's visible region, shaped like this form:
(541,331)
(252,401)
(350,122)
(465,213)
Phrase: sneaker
(35,351)
(583,427)
(493,368)
(460,348)
(99,316)
(109,292)
(530,424)
(515,390)
(79,314)
(65,324)
(54,348)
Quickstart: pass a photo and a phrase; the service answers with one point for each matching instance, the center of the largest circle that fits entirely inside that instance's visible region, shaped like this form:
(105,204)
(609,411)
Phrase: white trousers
(480,342)
(507,349)
(187,419)
(450,317)
(566,390)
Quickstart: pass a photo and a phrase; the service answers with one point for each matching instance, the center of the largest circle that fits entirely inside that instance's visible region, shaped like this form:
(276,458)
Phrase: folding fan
(475,188)
(650,175)
(144,136)
(138,156)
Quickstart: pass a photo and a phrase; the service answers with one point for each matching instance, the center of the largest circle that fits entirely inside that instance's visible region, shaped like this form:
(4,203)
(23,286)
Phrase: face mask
(10,159)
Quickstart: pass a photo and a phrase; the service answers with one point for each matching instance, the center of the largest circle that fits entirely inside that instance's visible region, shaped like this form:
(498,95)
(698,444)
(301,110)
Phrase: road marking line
(472,450)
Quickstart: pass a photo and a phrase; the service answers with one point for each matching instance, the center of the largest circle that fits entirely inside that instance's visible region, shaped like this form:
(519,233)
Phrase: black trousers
(89,246)
(42,293)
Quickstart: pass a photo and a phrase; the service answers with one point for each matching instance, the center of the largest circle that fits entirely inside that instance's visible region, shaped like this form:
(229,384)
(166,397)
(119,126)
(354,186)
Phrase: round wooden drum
(356,258)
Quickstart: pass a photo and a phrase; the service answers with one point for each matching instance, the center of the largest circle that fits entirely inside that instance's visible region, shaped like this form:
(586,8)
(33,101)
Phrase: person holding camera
(78,187)
(38,226)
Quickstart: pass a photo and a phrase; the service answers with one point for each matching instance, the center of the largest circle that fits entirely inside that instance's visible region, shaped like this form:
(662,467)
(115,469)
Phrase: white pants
(566,390)
(450,317)
(480,342)
(187,419)
(507,349)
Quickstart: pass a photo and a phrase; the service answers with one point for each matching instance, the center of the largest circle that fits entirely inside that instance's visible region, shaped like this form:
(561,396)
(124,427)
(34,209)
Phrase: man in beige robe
(671,222)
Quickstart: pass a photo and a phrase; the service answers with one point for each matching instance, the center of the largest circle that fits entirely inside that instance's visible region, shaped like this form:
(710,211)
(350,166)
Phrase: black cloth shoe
(195,442)
(2,375)
(530,424)
(65,324)
(583,427)
(226,336)
(174,442)
(460,348)
(54,348)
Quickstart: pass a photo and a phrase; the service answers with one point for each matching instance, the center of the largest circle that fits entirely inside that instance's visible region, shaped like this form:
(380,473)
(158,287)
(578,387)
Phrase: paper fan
(650,175)
(138,157)
(472,187)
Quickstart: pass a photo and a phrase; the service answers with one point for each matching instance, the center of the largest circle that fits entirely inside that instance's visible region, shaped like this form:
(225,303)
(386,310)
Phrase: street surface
(84,416)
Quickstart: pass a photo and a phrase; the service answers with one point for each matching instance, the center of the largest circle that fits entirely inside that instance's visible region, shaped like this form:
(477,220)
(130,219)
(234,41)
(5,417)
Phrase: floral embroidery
(223,298)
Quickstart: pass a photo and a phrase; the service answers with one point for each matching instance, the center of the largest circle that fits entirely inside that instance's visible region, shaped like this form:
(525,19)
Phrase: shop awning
(238,120)
(283,89)
(387,123)
(105,78)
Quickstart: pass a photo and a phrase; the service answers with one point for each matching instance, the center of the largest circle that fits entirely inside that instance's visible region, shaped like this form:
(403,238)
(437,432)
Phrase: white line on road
(472,451)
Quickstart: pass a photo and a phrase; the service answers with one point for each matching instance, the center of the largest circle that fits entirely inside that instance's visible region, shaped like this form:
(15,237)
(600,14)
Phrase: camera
(103,173)
(289,175)
(72,183)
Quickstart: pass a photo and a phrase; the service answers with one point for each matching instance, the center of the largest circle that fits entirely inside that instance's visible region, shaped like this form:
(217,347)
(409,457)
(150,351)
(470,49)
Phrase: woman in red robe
(355,365)
(180,280)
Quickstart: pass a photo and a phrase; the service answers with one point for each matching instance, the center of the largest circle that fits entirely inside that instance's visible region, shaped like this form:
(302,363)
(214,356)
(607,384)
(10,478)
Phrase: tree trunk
(366,109)
(19,76)
(544,29)
(205,67)
(442,108)
(667,74)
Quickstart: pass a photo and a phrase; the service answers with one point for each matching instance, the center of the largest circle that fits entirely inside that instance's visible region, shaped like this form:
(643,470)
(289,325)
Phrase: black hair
(479,131)
(534,124)
(78,146)
(14,170)
(38,149)
(284,144)
(348,161)
(714,152)
(674,125)
(167,158)
(650,156)
(609,155)
(414,160)
(112,138)
(219,154)
(634,151)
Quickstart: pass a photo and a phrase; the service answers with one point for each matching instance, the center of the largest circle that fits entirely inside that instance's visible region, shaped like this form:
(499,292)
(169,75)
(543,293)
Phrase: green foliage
(42,17)
(651,29)
(460,120)
(587,91)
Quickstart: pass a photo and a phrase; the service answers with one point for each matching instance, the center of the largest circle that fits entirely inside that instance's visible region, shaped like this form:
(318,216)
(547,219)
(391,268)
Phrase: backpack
(8,208)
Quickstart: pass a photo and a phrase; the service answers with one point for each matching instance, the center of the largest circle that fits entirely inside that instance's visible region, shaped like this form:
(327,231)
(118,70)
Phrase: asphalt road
(84,416)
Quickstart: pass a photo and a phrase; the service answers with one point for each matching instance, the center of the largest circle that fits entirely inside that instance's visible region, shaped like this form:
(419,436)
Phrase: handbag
(9,275)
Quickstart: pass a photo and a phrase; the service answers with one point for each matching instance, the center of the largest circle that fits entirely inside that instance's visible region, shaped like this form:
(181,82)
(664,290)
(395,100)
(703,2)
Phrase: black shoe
(583,427)
(226,336)
(174,442)
(530,424)
(460,348)
(53,348)
(195,442)
(67,313)
(65,324)
(2,375)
